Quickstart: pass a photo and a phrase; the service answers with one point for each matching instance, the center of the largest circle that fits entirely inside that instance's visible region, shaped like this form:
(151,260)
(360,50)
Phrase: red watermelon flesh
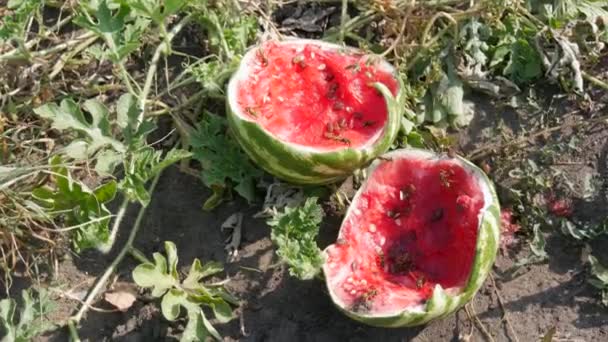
(413,226)
(316,96)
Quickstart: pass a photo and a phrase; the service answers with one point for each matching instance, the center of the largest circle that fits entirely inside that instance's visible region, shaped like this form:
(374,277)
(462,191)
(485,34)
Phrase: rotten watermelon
(312,112)
(417,242)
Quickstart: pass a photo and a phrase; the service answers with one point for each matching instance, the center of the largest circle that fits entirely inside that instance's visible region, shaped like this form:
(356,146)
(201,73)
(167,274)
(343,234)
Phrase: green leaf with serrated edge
(69,116)
(155,276)
(78,205)
(145,164)
(172,302)
(222,160)
(294,231)
(198,272)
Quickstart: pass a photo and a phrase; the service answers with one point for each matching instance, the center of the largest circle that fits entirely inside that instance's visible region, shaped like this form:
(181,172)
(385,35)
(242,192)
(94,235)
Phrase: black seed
(437,215)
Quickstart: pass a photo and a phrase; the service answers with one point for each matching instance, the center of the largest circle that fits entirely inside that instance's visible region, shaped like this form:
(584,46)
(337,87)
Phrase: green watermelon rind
(442,303)
(304,165)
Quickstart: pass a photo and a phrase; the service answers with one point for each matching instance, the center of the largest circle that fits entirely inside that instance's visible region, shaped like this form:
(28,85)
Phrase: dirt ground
(276,307)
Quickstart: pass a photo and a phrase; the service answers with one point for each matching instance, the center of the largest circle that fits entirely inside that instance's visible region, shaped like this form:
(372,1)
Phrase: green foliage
(113,21)
(82,208)
(230,30)
(12,26)
(163,278)
(514,54)
(95,134)
(143,166)
(21,322)
(230,33)
(222,160)
(294,231)
(601,278)
(444,101)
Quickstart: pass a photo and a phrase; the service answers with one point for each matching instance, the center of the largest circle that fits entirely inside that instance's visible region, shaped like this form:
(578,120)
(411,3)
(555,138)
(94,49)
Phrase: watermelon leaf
(222,161)
(163,278)
(294,231)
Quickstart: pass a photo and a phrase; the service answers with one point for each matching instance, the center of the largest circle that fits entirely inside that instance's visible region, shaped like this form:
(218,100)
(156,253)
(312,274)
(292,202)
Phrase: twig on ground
(505,314)
(101,282)
(488,149)
(478,323)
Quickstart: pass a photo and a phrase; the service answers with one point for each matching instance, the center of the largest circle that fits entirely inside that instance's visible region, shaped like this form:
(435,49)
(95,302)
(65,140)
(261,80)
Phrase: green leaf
(80,206)
(599,270)
(172,302)
(163,278)
(538,243)
(198,272)
(143,166)
(294,231)
(107,161)
(155,276)
(68,116)
(222,159)
(24,321)
(222,311)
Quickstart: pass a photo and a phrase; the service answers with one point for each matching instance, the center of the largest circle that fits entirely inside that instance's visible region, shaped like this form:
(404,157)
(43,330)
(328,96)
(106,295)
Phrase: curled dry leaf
(121,299)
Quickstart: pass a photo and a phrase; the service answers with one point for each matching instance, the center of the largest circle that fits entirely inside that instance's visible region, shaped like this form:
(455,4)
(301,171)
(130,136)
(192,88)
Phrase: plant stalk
(101,282)
(160,50)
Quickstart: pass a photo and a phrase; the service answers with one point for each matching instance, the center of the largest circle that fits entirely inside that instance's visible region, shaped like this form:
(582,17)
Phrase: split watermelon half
(311,112)
(417,242)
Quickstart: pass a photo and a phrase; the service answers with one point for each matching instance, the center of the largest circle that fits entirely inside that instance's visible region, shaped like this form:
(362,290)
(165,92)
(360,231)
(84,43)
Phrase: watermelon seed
(444,177)
(354,266)
(341,242)
(353,292)
(281,98)
(338,105)
(406,192)
(382,240)
(349,280)
(351,124)
(342,123)
(333,88)
(420,282)
(393,214)
(251,112)
(321,66)
(354,67)
(299,60)
(368,74)
(437,215)
(262,56)
(368,123)
(335,137)
(329,77)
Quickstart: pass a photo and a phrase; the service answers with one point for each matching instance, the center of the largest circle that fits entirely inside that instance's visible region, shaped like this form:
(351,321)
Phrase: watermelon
(311,112)
(416,243)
